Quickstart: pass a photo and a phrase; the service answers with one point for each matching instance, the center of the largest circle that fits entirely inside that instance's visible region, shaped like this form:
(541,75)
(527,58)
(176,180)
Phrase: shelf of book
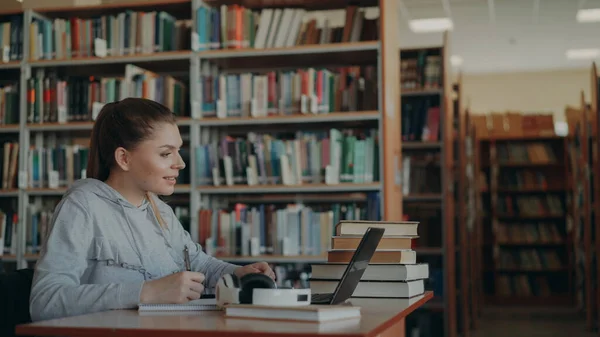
(594,119)
(464,219)
(330,117)
(220,121)
(9,128)
(9,193)
(509,300)
(305,188)
(351,49)
(76,126)
(10,65)
(473,204)
(40,57)
(581,179)
(274,258)
(527,250)
(428,117)
(89,61)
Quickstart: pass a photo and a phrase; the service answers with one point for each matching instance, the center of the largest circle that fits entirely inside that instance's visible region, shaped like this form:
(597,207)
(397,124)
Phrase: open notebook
(195,305)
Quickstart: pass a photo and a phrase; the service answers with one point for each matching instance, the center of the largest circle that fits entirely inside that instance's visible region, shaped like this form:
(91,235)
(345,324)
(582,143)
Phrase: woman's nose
(180,164)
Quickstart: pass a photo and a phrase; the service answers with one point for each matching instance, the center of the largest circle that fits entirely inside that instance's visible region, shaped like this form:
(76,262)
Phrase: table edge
(29,330)
(428,295)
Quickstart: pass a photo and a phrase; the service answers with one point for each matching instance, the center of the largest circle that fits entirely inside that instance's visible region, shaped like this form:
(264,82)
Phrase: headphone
(258,289)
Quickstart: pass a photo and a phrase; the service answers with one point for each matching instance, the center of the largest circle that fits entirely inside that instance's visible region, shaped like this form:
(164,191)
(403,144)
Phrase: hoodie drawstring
(133,242)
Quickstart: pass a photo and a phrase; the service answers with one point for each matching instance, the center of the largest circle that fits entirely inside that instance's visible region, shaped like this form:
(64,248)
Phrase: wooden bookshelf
(594,118)
(428,135)
(30,134)
(581,211)
(461,220)
(212,127)
(476,210)
(472,224)
(382,50)
(527,255)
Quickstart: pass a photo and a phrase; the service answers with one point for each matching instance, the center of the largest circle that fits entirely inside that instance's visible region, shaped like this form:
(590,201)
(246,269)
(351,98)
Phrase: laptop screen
(357,266)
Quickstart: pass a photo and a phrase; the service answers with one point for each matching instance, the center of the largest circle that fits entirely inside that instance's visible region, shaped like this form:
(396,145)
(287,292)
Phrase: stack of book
(393,271)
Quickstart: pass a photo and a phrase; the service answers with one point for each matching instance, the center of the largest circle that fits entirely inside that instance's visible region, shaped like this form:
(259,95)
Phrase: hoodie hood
(104,191)
(135,218)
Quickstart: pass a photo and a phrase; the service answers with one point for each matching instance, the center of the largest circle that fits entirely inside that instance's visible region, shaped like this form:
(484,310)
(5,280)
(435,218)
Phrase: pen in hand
(186,258)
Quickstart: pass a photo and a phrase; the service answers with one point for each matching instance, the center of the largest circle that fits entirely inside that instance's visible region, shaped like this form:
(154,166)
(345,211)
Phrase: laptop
(354,271)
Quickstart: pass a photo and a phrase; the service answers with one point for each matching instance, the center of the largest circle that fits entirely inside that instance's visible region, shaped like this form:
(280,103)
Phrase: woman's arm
(211,267)
(56,289)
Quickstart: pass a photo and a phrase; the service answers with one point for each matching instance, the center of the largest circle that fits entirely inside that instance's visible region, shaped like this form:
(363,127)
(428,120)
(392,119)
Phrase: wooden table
(379,317)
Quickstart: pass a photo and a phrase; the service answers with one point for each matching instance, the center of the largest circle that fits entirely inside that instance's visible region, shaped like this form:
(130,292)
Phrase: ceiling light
(456,61)
(588,15)
(583,54)
(430,25)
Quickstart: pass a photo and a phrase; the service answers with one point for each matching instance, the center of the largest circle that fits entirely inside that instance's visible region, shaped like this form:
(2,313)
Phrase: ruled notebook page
(195,305)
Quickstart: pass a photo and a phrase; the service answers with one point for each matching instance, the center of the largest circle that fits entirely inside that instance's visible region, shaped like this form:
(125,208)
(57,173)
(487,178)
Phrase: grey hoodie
(100,249)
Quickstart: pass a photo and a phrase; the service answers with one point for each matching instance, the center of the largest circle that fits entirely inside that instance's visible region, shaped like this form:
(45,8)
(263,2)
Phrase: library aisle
(531,322)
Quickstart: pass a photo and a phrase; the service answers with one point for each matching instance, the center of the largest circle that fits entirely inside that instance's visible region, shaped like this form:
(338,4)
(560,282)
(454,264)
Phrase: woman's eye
(165,154)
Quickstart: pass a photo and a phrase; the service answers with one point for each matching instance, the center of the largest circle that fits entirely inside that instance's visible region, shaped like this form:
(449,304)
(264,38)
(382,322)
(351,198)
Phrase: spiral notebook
(203,304)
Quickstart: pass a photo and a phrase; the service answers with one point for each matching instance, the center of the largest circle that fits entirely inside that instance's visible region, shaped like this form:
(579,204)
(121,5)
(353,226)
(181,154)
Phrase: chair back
(15,287)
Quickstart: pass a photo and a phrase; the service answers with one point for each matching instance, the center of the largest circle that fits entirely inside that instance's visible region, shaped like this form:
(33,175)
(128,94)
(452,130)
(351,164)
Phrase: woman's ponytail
(96,167)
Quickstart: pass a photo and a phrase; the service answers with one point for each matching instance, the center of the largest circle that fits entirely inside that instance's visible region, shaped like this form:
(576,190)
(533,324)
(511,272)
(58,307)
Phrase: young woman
(112,243)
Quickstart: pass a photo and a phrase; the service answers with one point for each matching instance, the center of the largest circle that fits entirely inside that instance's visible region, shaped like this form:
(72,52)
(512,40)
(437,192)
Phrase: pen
(186,257)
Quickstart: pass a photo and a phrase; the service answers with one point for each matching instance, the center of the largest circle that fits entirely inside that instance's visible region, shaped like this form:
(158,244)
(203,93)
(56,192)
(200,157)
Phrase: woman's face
(155,162)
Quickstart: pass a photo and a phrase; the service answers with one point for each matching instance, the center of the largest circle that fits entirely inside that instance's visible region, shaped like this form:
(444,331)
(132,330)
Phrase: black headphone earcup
(236,281)
(249,282)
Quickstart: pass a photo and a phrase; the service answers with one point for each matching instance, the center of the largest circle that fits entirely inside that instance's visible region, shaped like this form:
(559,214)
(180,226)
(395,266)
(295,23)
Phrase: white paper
(53,179)
(22,179)
(303,104)
(250,176)
(253,107)
(6,54)
(62,114)
(100,47)
(195,41)
(221,109)
(96,108)
(196,112)
(254,246)
(314,104)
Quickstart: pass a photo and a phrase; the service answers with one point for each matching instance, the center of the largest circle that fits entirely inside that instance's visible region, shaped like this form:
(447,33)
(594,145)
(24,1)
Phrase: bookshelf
(579,152)
(428,155)
(526,188)
(474,221)
(464,225)
(592,308)
(595,116)
(468,214)
(582,213)
(184,59)
(324,191)
(47,70)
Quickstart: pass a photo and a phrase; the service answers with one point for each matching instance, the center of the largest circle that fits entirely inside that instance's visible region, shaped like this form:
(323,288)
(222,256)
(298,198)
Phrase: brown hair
(125,124)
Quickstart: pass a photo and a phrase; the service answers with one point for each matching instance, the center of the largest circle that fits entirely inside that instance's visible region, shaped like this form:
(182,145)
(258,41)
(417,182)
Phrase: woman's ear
(123,158)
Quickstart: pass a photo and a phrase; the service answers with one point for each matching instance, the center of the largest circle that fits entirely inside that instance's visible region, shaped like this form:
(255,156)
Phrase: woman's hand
(176,288)
(257,268)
